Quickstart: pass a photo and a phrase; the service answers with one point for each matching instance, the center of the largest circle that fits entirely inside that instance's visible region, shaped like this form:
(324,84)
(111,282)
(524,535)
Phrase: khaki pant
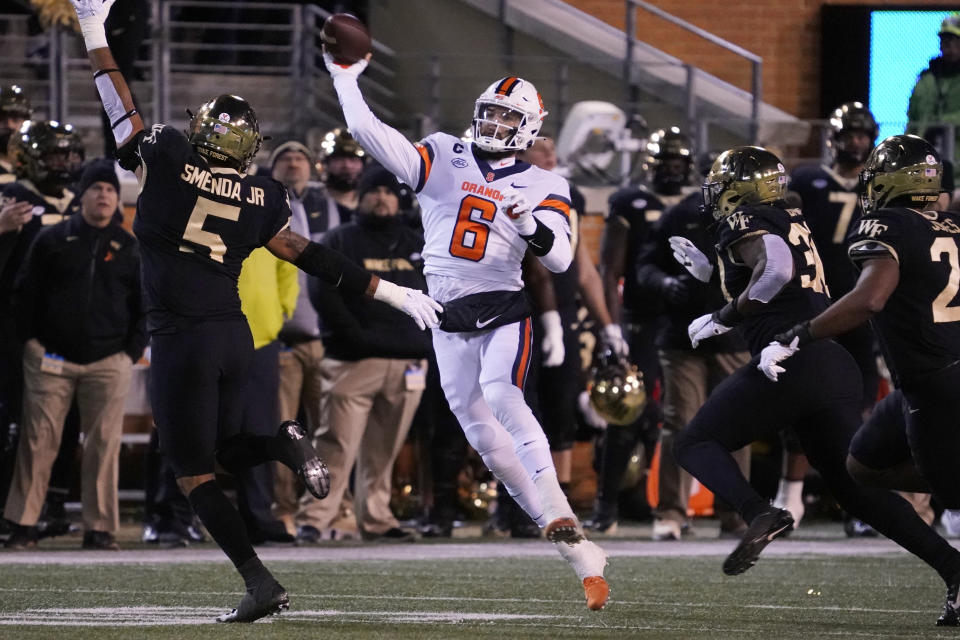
(101,391)
(367,411)
(688,378)
(300,384)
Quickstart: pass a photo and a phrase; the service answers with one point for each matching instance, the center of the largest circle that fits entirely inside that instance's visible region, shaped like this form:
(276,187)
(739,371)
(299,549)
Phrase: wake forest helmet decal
(743,176)
(850,116)
(508,115)
(226,130)
(47,153)
(903,168)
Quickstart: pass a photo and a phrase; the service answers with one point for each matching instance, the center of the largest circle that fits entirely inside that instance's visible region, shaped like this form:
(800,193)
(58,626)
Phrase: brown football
(345,38)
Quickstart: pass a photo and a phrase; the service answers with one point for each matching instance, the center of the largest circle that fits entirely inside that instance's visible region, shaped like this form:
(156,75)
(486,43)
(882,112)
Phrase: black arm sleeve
(541,240)
(333,267)
(128,156)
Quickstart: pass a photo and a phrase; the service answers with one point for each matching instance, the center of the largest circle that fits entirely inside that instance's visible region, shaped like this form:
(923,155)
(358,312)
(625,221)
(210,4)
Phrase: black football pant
(918,423)
(819,397)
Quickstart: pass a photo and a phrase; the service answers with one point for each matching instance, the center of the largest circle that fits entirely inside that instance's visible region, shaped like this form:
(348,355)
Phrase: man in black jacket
(374,367)
(79,306)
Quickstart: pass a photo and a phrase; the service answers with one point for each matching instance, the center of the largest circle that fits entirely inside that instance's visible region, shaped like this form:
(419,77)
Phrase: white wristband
(94,36)
(393,295)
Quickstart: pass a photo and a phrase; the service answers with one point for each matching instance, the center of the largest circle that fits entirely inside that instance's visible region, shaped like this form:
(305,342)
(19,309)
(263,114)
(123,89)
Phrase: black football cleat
(266,599)
(308,465)
(770,524)
(951,608)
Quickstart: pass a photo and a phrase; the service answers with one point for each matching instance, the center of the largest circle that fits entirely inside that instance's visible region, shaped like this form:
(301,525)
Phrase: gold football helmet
(616,389)
(901,167)
(743,176)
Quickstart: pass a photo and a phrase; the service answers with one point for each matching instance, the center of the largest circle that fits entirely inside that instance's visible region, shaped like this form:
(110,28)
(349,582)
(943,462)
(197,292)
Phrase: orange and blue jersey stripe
(521,364)
(426,162)
(556,203)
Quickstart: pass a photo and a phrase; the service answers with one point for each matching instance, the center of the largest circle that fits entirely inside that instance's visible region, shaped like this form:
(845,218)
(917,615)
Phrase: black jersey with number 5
(196,224)
(802,298)
(919,327)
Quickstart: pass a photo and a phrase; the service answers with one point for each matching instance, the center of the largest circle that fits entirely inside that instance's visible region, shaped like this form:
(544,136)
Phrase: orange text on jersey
(481,190)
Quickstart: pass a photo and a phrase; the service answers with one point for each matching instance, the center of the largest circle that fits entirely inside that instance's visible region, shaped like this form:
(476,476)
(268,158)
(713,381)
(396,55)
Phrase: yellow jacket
(268,293)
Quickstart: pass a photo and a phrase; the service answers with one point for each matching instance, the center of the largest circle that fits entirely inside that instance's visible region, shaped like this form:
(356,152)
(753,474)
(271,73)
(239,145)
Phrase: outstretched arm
(111,85)
(387,145)
(334,268)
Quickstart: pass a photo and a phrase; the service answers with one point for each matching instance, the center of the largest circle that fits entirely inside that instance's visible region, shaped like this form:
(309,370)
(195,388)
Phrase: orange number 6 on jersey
(469,239)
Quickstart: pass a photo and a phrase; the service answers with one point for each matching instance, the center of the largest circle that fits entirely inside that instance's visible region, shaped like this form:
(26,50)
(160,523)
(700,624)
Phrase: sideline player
(199,215)
(482,211)
(907,251)
(770,269)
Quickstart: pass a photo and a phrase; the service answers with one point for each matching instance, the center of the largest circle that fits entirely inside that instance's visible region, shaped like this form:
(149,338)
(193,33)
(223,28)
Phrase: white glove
(705,327)
(553,349)
(91,15)
(519,210)
(413,302)
(612,336)
(345,70)
(693,260)
(773,354)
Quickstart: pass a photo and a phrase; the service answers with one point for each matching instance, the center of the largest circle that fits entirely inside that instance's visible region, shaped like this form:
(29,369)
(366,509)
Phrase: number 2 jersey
(802,298)
(919,328)
(196,224)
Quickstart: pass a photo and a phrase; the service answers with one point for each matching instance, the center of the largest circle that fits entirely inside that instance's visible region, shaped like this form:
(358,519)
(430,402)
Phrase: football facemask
(507,116)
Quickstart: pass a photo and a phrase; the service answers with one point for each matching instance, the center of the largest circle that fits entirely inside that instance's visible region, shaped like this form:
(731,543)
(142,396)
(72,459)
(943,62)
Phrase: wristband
(729,315)
(800,331)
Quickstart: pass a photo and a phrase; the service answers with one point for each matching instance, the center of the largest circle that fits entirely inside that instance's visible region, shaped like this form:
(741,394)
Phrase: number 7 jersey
(469,240)
(919,327)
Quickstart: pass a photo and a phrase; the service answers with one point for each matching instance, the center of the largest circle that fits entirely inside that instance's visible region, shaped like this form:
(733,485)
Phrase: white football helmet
(508,115)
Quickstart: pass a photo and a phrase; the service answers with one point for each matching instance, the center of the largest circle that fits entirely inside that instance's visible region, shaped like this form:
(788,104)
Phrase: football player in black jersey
(199,215)
(633,213)
(14,111)
(772,275)
(908,253)
(828,194)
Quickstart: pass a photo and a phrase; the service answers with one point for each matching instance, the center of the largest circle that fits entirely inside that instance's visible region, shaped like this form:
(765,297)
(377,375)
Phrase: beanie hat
(98,170)
(290,145)
(376,176)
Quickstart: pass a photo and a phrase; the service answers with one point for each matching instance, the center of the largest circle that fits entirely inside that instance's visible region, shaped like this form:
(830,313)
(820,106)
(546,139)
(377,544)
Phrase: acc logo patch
(459,163)
(224,117)
(639,203)
(930,159)
(819,183)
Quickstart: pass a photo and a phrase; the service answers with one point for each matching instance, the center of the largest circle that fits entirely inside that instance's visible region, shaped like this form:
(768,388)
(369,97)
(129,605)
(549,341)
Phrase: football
(345,38)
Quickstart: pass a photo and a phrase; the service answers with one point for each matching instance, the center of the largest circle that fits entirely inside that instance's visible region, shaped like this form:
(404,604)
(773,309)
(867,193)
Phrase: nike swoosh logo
(774,534)
(481,325)
(519,186)
(540,469)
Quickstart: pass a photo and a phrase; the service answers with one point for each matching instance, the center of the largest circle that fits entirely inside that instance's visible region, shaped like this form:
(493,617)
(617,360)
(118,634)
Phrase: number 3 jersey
(802,298)
(470,242)
(196,224)
(919,328)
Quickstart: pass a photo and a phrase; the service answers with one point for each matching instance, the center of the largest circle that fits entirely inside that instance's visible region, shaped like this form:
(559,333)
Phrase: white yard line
(453,551)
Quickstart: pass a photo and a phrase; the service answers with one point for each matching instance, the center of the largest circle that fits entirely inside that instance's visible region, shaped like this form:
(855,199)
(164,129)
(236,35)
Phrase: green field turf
(532,595)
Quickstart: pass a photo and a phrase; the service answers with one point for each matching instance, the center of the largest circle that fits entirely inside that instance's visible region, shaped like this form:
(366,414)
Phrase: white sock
(585,558)
(790,497)
(552,498)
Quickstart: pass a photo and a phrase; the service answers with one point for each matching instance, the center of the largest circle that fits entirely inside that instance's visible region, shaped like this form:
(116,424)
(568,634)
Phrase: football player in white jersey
(482,211)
